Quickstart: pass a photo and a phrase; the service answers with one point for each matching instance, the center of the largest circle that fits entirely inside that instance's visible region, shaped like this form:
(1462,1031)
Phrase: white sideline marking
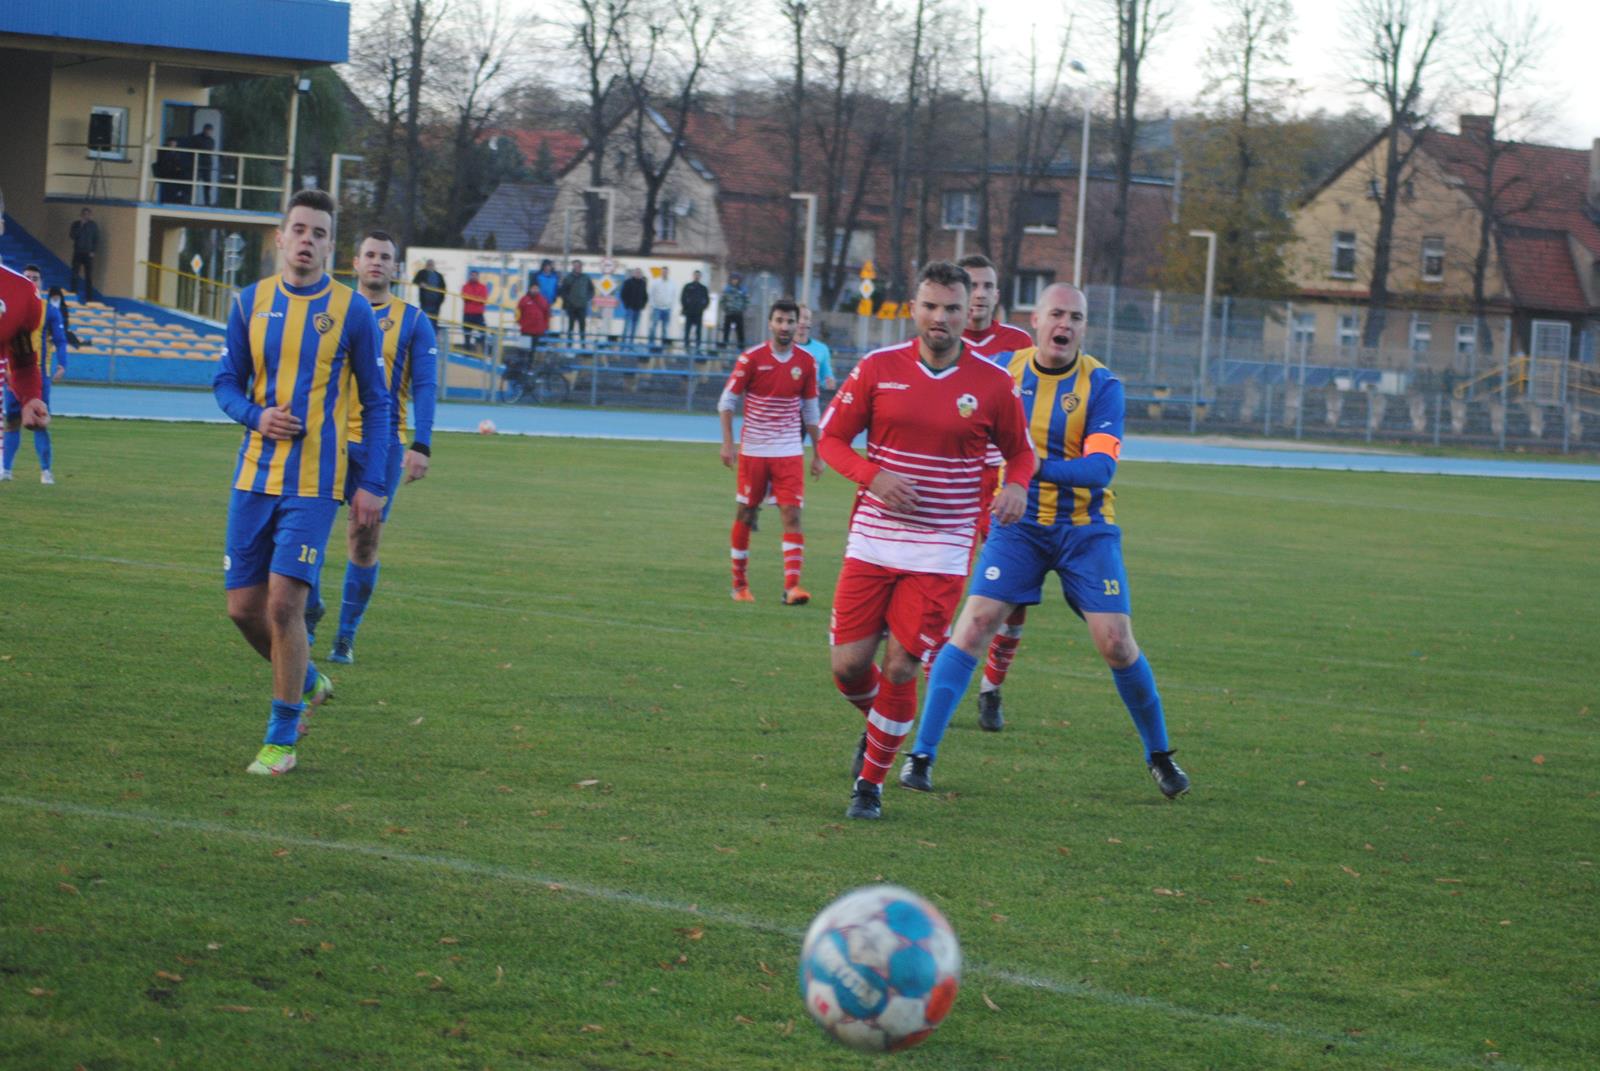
(1080,990)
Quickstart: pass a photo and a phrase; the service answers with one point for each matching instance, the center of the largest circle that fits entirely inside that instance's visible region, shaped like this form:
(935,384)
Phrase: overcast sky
(1318,53)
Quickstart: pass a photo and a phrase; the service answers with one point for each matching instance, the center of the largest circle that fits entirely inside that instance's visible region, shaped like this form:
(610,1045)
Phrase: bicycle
(535,381)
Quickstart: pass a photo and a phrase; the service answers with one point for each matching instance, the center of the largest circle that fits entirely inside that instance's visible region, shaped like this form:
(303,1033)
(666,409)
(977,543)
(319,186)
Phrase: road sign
(233,243)
(888,310)
(868,271)
(864,307)
(195,263)
(866,288)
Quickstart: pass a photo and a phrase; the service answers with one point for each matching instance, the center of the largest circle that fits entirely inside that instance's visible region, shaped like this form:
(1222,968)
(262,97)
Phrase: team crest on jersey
(386,324)
(966,405)
(794,373)
(1069,403)
(323,323)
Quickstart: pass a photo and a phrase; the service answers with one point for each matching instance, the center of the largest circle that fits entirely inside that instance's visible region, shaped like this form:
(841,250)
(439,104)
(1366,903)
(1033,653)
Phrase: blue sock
(359,580)
(311,676)
(1137,686)
(13,440)
(947,683)
(41,446)
(283,727)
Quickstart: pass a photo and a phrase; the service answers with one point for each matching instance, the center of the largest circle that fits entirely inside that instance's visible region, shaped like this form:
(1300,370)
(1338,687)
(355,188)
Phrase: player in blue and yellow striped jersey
(1075,413)
(411,360)
(299,345)
(49,342)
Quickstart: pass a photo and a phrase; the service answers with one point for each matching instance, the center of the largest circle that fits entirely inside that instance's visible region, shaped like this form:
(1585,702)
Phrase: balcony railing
(179,176)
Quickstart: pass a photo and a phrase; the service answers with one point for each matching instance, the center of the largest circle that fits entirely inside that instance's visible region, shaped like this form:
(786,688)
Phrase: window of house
(1349,334)
(108,133)
(1344,254)
(1432,259)
(1421,336)
(1027,286)
(960,210)
(1466,340)
(667,221)
(1041,211)
(1551,338)
(1304,330)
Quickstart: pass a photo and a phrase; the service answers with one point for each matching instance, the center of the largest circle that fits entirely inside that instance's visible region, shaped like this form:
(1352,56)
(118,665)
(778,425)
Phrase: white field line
(624,898)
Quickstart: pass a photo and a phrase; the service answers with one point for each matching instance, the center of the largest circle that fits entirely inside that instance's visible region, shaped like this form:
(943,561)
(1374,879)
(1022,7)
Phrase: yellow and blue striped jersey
(310,348)
(411,369)
(1071,413)
(53,356)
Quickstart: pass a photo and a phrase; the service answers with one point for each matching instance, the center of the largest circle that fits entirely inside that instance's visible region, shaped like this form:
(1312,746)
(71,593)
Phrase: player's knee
(285,612)
(1117,647)
(748,515)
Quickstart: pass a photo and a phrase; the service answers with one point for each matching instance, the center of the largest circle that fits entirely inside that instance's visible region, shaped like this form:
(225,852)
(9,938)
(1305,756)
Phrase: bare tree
(983,77)
(1507,47)
(1396,43)
(656,77)
(1041,130)
(378,67)
(1138,24)
(852,129)
(900,179)
(598,31)
(422,21)
(481,46)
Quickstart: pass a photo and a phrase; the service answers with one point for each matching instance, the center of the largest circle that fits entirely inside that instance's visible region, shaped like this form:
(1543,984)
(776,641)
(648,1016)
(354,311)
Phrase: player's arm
(366,363)
(424,397)
(728,403)
(810,415)
(1010,435)
(56,328)
(25,380)
(1102,443)
(231,384)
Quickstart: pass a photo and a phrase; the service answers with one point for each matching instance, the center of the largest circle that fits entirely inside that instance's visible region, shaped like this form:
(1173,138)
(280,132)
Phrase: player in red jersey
(995,342)
(21,317)
(779,382)
(930,409)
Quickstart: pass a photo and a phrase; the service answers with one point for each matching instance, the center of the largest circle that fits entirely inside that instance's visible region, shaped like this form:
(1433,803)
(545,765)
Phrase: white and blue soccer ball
(880,968)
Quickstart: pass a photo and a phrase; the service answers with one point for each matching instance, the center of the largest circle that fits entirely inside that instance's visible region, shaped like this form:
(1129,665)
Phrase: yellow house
(1541,286)
(107,107)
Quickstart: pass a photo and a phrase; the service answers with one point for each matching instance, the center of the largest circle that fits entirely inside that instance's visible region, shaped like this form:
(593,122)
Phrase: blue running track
(120,404)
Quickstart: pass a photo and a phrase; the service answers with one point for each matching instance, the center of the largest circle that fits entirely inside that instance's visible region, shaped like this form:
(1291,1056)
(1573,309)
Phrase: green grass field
(573,807)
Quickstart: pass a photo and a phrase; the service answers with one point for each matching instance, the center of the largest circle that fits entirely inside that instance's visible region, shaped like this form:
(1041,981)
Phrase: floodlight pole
(1205,320)
(1083,182)
(811,241)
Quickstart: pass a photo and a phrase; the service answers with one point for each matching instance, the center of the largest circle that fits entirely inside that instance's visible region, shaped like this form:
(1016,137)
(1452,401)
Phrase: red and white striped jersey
(933,429)
(775,389)
(996,344)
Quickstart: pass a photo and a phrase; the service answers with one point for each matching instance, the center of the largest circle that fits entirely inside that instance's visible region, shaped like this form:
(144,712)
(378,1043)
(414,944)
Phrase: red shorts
(783,477)
(915,608)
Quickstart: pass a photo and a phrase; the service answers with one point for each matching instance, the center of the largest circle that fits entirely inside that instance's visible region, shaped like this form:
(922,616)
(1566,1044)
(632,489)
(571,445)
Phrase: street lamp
(1205,320)
(811,240)
(336,165)
(609,193)
(1083,179)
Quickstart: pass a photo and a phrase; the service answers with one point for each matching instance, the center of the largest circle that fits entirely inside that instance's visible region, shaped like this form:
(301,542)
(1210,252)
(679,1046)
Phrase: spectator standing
(430,292)
(549,281)
(694,301)
(85,235)
(577,290)
(204,165)
(473,296)
(735,299)
(662,299)
(818,350)
(533,314)
(635,296)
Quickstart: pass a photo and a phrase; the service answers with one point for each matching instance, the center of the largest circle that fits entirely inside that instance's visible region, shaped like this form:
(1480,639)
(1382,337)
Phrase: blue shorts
(357,454)
(1088,558)
(13,404)
(283,534)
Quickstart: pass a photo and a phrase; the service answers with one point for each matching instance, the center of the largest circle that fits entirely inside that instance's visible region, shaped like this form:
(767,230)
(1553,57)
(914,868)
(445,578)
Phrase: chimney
(1594,178)
(1478,128)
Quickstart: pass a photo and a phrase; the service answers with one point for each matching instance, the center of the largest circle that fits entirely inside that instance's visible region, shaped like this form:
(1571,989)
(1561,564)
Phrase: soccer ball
(486,427)
(879,968)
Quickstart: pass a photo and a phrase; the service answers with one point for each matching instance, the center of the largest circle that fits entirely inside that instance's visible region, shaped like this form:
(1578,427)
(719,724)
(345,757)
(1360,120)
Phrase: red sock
(862,690)
(1003,648)
(740,541)
(888,723)
(794,556)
